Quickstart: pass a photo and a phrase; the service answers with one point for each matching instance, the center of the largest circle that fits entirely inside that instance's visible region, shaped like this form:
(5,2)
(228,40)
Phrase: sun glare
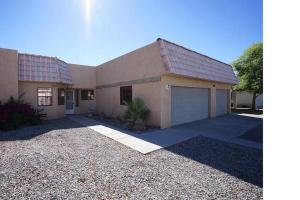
(88,11)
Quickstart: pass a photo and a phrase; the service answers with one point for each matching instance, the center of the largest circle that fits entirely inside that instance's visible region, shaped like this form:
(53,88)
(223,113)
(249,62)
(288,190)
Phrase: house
(243,99)
(177,84)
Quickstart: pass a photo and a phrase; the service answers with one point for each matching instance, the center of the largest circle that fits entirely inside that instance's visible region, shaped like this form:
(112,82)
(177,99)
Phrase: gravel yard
(61,160)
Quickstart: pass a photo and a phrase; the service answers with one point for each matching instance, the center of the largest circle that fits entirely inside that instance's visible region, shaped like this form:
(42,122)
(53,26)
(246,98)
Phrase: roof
(185,62)
(43,69)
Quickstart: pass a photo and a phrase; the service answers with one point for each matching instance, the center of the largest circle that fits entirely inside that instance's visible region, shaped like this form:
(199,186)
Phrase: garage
(188,104)
(221,102)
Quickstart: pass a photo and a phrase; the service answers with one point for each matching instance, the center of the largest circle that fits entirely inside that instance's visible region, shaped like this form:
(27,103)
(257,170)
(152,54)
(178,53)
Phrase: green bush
(136,110)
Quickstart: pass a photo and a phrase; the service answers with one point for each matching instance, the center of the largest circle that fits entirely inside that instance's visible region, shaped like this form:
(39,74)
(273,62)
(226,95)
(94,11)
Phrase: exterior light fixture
(167,87)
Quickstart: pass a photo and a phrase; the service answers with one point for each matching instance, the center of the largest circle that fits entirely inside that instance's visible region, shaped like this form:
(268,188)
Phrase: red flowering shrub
(16,113)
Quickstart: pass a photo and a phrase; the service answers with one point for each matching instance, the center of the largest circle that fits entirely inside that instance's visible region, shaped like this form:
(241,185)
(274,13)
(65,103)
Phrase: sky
(91,32)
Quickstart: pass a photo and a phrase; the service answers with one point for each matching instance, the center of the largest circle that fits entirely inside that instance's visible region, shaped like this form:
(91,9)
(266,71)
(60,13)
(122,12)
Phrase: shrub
(136,110)
(16,113)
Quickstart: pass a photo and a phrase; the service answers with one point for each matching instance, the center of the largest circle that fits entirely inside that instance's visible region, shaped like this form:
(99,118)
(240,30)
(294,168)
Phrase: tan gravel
(62,160)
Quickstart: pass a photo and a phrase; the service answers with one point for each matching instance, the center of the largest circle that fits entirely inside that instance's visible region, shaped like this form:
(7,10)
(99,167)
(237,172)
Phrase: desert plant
(136,113)
(15,113)
(136,110)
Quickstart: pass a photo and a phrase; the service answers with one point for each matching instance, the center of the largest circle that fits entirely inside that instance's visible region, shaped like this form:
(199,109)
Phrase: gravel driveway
(61,160)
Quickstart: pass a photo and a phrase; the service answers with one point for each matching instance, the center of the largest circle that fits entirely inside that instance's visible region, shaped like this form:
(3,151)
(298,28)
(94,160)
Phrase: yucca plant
(136,110)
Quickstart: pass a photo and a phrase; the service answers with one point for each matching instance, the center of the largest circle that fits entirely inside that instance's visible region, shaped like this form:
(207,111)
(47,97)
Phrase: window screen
(125,95)
(87,94)
(76,98)
(44,96)
(61,96)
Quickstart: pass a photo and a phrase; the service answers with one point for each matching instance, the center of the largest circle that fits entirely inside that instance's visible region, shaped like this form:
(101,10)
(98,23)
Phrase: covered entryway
(222,102)
(188,104)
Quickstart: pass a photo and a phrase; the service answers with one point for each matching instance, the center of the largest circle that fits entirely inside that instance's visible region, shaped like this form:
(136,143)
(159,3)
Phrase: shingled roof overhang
(43,69)
(181,61)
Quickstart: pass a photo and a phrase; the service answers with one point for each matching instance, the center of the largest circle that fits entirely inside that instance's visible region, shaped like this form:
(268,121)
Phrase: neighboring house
(177,84)
(47,83)
(244,100)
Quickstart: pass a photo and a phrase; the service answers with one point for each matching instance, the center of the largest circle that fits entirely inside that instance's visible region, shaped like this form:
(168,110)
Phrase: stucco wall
(30,95)
(85,105)
(259,101)
(139,64)
(150,94)
(84,77)
(108,100)
(142,68)
(9,74)
(244,99)
(142,64)
(171,80)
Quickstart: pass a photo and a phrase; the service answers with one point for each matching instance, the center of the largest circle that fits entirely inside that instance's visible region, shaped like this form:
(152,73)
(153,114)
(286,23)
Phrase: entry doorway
(70,102)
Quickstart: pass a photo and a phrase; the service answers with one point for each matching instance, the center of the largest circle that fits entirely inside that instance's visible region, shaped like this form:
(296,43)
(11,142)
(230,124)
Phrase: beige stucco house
(177,84)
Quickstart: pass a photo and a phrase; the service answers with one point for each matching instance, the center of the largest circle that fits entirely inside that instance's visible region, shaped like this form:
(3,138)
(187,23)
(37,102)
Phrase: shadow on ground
(29,132)
(255,134)
(242,162)
(235,160)
(226,128)
(247,111)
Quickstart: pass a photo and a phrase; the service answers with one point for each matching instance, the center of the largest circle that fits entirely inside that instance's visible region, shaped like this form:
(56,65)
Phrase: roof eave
(198,78)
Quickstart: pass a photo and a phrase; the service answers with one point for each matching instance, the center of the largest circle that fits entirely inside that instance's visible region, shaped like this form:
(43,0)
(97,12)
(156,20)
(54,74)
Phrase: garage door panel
(188,104)
(222,102)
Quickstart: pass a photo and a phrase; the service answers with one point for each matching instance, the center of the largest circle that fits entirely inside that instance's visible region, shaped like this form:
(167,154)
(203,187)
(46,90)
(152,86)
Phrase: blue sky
(94,31)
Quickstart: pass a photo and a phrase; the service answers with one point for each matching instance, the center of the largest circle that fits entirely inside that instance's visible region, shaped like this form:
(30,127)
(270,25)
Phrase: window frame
(124,96)
(61,98)
(88,96)
(50,97)
(77,97)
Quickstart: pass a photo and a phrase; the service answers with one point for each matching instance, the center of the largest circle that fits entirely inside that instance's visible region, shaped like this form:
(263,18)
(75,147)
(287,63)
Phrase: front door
(70,102)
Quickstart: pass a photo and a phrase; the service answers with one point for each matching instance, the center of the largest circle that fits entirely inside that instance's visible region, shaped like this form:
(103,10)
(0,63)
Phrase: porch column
(212,102)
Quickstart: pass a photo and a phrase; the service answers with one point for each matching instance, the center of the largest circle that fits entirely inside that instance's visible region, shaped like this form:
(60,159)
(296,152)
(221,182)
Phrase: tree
(249,68)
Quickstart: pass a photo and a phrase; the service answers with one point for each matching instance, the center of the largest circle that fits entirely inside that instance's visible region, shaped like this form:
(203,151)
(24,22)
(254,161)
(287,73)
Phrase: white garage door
(188,104)
(222,102)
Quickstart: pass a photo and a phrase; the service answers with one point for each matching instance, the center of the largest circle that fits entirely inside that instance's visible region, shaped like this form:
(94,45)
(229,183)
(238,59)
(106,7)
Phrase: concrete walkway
(250,115)
(227,128)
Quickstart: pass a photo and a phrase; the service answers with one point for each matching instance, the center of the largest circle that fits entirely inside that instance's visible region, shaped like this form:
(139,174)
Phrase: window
(125,94)
(61,96)
(87,94)
(44,96)
(76,98)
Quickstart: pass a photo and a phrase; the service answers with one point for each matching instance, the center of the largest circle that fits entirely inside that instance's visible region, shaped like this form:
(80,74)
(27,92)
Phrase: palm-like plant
(136,110)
